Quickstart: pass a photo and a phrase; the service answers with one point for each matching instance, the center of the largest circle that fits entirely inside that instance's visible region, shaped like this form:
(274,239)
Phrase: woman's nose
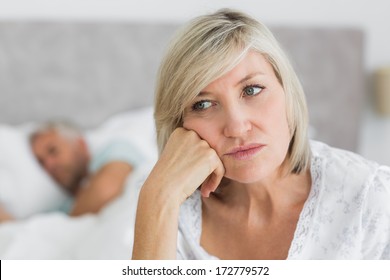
(237,122)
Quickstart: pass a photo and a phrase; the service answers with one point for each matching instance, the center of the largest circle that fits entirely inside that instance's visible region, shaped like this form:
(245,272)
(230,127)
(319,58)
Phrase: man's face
(63,158)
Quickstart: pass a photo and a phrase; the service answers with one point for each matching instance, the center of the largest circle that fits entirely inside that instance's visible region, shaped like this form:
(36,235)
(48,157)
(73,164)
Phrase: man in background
(91,179)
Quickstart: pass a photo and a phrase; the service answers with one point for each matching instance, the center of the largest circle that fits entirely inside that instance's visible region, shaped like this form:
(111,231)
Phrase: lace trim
(194,210)
(192,216)
(304,221)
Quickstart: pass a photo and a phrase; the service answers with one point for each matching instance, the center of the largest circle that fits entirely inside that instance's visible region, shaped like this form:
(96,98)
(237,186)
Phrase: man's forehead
(45,135)
(46,138)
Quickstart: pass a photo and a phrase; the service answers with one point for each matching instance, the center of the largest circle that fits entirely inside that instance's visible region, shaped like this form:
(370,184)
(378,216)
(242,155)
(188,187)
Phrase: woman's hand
(186,163)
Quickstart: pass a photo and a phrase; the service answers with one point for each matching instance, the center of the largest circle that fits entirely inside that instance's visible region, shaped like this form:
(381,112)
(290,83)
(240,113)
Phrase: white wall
(372,16)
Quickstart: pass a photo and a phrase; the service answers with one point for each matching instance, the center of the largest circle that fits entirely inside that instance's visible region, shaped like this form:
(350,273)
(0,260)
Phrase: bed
(101,76)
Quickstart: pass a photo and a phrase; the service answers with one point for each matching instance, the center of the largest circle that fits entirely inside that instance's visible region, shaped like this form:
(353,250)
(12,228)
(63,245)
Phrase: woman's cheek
(196,125)
(206,126)
(187,123)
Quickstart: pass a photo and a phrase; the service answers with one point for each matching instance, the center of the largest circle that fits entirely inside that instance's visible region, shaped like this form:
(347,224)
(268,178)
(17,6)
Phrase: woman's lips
(245,152)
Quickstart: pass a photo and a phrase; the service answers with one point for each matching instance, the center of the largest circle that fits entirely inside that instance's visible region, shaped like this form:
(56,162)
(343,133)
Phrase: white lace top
(346,215)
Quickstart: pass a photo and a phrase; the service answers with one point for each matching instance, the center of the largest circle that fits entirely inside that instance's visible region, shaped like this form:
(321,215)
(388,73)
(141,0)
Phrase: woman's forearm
(186,163)
(156,226)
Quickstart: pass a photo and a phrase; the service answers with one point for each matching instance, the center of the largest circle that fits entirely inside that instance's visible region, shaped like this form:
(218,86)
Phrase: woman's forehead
(253,64)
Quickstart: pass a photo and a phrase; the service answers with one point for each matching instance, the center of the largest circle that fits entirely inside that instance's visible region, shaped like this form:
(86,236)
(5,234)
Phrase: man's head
(62,152)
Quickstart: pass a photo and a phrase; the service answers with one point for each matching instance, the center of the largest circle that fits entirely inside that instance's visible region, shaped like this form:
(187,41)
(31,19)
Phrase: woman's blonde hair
(209,47)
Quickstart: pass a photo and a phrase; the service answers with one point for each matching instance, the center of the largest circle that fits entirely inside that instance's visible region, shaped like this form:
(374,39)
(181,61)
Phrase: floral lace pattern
(307,212)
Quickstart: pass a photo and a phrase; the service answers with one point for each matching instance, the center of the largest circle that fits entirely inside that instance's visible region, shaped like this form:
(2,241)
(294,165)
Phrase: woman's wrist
(162,191)
(156,224)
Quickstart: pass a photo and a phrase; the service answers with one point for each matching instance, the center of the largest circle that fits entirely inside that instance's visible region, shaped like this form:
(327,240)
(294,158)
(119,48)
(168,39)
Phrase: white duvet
(108,235)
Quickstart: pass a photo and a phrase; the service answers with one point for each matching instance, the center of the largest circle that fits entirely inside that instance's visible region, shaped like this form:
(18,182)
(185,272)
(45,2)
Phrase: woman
(237,177)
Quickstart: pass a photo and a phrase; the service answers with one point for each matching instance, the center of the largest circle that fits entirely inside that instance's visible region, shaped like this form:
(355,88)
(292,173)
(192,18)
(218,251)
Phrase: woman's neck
(277,191)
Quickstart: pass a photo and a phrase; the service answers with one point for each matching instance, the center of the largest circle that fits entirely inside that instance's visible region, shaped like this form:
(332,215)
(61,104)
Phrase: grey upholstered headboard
(86,72)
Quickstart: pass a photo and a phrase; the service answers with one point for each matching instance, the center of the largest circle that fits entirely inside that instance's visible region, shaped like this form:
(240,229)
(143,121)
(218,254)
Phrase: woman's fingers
(188,162)
(214,179)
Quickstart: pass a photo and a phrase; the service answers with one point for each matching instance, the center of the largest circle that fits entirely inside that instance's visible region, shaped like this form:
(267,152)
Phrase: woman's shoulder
(357,192)
(347,177)
(320,149)
(350,166)
(338,162)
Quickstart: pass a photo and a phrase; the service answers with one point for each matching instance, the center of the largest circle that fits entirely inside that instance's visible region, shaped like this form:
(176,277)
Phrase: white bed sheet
(108,235)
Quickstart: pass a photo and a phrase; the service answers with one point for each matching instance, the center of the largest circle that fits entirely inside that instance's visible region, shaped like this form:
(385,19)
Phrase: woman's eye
(201,105)
(252,90)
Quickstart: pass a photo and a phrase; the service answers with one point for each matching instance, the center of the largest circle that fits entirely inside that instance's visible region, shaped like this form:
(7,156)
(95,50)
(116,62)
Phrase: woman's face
(242,116)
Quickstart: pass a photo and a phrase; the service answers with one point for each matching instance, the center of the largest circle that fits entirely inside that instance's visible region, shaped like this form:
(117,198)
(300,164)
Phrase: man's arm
(4,215)
(103,187)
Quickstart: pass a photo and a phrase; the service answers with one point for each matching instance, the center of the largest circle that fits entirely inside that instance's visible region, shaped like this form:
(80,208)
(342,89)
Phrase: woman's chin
(245,176)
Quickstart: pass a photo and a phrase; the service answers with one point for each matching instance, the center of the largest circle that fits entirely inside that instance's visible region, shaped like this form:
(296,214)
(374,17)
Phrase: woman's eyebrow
(248,77)
(203,93)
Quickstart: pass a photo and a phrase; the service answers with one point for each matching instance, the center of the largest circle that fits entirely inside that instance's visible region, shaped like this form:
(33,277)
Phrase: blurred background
(371,17)
(94,62)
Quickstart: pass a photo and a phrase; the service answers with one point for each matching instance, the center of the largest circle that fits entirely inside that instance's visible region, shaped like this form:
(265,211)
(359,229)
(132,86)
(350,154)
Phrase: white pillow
(25,188)
(136,126)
